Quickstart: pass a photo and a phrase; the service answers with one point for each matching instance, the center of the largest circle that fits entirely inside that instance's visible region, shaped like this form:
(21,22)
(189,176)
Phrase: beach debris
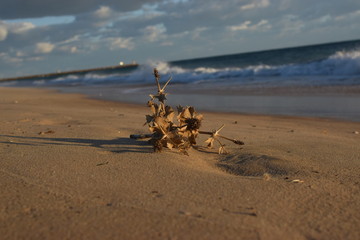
(101,164)
(356,132)
(181,135)
(297,181)
(267,176)
(156,194)
(189,214)
(247,211)
(47,132)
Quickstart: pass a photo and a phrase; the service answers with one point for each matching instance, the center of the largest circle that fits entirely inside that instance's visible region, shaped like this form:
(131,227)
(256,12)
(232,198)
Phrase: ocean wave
(87,79)
(340,64)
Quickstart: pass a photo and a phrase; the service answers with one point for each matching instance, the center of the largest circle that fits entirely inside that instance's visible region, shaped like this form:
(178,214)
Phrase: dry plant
(181,136)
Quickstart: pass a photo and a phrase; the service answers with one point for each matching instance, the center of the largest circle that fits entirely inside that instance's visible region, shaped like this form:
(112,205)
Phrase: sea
(311,81)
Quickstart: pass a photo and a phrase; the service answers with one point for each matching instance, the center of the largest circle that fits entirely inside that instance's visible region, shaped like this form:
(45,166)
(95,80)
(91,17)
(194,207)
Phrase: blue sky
(40,36)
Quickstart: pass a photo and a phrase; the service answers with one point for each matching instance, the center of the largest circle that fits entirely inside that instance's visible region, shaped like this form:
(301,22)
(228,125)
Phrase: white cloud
(154,33)
(71,40)
(244,26)
(20,54)
(14,60)
(103,12)
(2,54)
(70,49)
(348,16)
(168,43)
(35,58)
(197,32)
(103,16)
(256,4)
(261,25)
(10,59)
(15,28)
(44,47)
(118,43)
(325,19)
(292,24)
(21,27)
(3,32)
(73,49)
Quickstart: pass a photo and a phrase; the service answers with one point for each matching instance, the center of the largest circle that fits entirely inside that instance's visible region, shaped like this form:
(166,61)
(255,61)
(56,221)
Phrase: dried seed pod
(181,136)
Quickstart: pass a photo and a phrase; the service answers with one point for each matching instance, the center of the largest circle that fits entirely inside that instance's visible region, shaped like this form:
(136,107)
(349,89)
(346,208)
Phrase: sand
(68,170)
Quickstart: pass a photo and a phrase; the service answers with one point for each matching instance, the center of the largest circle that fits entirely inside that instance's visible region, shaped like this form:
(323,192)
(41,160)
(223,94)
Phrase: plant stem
(229,139)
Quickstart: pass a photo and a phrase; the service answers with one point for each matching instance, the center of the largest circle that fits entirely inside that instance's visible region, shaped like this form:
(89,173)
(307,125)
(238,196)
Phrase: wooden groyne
(49,75)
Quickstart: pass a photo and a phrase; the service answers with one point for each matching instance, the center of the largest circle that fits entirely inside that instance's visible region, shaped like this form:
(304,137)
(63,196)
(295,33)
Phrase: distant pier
(49,75)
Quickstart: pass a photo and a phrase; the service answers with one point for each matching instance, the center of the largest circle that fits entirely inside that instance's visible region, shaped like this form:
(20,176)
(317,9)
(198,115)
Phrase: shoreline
(70,171)
(342,103)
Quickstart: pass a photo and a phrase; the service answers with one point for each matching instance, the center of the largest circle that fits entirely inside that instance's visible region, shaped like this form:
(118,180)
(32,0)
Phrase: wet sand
(336,102)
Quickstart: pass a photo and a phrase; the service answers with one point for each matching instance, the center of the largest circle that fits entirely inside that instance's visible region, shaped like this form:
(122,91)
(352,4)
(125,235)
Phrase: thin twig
(166,83)
(239,142)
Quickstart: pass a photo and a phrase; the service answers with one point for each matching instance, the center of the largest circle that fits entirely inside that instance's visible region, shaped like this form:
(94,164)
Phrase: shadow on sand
(116,145)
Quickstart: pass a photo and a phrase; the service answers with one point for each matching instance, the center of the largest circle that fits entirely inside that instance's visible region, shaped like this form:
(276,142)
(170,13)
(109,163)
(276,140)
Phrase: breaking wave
(341,64)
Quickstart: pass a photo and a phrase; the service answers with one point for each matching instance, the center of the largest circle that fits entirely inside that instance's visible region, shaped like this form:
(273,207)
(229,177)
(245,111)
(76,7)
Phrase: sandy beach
(69,170)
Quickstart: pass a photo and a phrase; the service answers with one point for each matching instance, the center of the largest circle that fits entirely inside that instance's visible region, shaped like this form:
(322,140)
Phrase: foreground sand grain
(69,171)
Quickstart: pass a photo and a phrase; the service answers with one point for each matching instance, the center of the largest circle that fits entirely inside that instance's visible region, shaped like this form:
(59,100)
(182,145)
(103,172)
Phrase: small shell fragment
(267,176)
(297,181)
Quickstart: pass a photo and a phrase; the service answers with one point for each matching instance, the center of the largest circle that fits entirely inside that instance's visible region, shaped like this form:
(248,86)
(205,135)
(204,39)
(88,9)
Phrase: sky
(42,36)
